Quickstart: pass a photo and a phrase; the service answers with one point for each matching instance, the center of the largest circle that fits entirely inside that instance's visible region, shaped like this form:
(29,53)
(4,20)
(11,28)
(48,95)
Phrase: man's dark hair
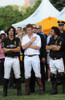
(11,27)
(0,36)
(29,25)
(56,30)
(24,29)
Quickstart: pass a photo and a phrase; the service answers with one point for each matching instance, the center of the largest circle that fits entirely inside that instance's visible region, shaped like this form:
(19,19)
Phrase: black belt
(13,57)
(55,58)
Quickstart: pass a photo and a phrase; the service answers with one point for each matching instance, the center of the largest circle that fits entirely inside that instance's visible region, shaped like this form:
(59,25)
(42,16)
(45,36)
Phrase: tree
(8,16)
(59,4)
(11,14)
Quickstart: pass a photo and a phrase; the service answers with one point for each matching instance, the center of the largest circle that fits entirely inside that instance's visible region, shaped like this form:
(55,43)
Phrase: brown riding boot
(40,86)
(27,86)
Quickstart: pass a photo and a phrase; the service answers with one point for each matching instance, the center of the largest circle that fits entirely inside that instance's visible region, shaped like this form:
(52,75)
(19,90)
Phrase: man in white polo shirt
(31,44)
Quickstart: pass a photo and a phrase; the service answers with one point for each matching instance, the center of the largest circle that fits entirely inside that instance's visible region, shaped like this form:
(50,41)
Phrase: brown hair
(29,26)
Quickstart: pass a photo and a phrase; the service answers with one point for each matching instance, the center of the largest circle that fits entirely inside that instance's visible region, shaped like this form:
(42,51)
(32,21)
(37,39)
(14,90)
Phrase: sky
(11,2)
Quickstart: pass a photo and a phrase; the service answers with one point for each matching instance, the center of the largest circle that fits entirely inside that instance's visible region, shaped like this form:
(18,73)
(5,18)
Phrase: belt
(13,57)
(55,58)
(31,55)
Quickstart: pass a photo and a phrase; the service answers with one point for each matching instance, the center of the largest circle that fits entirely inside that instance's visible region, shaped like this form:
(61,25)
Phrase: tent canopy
(47,24)
(45,10)
(61,15)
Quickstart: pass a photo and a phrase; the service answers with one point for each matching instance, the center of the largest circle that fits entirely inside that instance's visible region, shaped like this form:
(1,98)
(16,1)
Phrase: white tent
(62,10)
(45,10)
(61,16)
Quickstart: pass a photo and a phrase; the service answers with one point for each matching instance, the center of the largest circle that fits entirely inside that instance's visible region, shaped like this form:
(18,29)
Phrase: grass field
(12,94)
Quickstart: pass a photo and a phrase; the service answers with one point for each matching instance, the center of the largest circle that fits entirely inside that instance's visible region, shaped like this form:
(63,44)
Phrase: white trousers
(48,58)
(29,63)
(56,65)
(11,63)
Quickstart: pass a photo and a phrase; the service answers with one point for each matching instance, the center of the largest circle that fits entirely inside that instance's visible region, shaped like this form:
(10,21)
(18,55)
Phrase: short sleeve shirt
(57,42)
(10,44)
(37,42)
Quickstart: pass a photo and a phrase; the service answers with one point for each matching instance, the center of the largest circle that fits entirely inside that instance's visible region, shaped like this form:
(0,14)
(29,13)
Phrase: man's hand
(43,59)
(33,39)
(1,52)
(27,45)
(49,47)
(56,48)
(5,50)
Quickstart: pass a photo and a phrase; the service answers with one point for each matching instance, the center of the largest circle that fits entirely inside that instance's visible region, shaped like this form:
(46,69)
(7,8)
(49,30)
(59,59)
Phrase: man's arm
(15,49)
(35,47)
(49,47)
(56,48)
(27,45)
(1,52)
(5,50)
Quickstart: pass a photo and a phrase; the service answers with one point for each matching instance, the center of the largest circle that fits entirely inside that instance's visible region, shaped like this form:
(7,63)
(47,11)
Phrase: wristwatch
(8,49)
(31,42)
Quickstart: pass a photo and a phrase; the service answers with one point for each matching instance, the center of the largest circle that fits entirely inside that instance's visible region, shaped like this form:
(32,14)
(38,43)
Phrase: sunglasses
(61,24)
(34,28)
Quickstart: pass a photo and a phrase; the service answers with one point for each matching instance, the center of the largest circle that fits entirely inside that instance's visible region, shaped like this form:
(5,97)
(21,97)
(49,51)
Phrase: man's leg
(53,77)
(7,69)
(18,86)
(5,87)
(27,86)
(32,82)
(60,66)
(27,70)
(36,68)
(62,78)
(1,71)
(54,84)
(16,68)
(42,74)
(11,80)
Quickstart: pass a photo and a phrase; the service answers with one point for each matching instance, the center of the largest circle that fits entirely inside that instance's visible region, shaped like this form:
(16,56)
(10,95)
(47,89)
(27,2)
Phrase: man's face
(3,36)
(19,30)
(29,30)
(11,32)
(34,28)
(61,27)
(38,30)
(52,33)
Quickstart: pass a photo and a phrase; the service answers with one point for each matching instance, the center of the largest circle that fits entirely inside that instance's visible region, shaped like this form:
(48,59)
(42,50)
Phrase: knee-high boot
(62,78)
(54,84)
(5,87)
(27,86)
(18,86)
(40,85)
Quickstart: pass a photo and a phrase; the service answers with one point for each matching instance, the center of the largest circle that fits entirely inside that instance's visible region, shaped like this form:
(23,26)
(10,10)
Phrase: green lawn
(12,94)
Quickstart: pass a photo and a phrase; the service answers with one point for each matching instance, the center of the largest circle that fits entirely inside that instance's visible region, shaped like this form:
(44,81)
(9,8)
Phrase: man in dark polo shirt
(62,31)
(56,60)
(11,48)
